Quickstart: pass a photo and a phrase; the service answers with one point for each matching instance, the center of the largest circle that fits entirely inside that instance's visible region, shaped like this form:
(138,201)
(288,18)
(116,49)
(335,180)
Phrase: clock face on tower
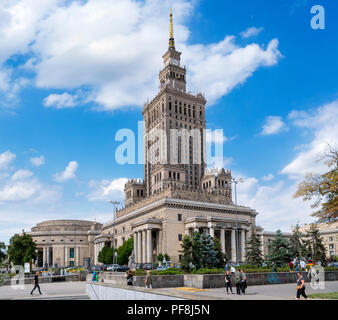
(175,61)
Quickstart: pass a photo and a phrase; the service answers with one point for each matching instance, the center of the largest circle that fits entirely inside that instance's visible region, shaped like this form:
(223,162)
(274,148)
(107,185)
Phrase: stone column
(223,240)
(233,245)
(160,240)
(66,256)
(44,254)
(186,232)
(149,247)
(77,256)
(243,244)
(139,246)
(48,256)
(144,246)
(212,231)
(135,247)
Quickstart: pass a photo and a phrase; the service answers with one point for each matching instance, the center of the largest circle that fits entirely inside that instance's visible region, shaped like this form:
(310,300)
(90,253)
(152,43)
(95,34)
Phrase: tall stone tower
(171,158)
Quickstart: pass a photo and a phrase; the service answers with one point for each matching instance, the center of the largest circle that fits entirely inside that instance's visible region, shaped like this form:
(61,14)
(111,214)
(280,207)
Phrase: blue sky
(73,73)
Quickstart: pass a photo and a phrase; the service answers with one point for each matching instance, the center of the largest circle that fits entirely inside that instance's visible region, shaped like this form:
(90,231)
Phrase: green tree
(296,244)
(196,247)
(209,258)
(22,249)
(323,187)
(186,251)
(166,257)
(253,249)
(106,255)
(221,257)
(160,257)
(278,250)
(315,244)
(124,251)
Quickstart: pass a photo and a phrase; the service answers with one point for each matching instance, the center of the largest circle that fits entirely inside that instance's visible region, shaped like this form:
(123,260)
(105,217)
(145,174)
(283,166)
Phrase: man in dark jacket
(36,282)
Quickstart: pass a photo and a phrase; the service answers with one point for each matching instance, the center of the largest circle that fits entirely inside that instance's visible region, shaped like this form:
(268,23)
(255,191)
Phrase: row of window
(62,240)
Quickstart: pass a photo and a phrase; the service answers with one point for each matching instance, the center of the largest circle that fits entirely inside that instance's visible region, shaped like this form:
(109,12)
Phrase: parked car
(147,266)
(112,267)
(139,266)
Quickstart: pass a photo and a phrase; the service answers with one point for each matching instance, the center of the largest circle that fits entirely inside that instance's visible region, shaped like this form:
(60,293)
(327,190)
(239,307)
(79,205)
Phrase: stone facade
(178,194)
(64,242)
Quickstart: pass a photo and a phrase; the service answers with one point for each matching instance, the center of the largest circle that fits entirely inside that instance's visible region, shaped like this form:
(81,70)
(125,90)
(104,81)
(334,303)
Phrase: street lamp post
(114,203)
(236,228)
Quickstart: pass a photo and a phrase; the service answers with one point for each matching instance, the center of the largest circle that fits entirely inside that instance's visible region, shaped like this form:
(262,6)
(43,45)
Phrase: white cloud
(21,175)
(250,32)
(6,159)
(107,190)
(273,125)
(321,127)
(37,161)
(60,101)
(269,177)
(68,173)
(76,44)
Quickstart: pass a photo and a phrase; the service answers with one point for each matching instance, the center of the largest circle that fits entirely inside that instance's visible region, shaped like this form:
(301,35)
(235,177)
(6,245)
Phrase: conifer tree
(187,258)
(278,250)
(209,259)
(297,245)
(253,249)
(315,244)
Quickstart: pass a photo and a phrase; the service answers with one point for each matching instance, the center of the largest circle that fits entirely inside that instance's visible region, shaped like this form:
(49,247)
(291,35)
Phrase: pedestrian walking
(228,281)
(300,286)
(244,285)
(302,265)
(274,266)
(238,279)
(94,276)
(148,281)
(232,270)
(129,278)
(36,283)
(291,266)
(312,272)
(297,266)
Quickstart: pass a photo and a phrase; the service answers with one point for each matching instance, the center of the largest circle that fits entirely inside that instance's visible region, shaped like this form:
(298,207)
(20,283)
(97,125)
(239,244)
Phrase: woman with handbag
(300,286)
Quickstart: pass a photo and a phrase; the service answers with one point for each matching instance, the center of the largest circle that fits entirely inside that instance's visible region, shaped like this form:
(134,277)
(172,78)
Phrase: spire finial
(171,39)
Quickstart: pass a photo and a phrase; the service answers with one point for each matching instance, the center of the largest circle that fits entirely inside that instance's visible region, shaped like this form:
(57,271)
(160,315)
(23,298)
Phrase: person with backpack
(228,281)
(300,286)
(238,281)
(244,285)
(129,278)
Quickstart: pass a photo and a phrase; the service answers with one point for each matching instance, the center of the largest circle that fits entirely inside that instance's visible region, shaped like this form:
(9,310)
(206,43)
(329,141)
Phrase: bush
(207,271)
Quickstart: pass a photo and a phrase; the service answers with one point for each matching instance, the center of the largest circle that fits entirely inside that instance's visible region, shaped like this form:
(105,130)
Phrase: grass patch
(330,295)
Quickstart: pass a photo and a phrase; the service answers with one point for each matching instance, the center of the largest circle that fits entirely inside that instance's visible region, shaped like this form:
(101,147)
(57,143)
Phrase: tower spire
(171,39)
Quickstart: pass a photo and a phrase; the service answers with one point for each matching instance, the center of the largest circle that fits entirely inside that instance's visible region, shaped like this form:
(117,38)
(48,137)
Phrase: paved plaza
(77,290)
(57,290)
